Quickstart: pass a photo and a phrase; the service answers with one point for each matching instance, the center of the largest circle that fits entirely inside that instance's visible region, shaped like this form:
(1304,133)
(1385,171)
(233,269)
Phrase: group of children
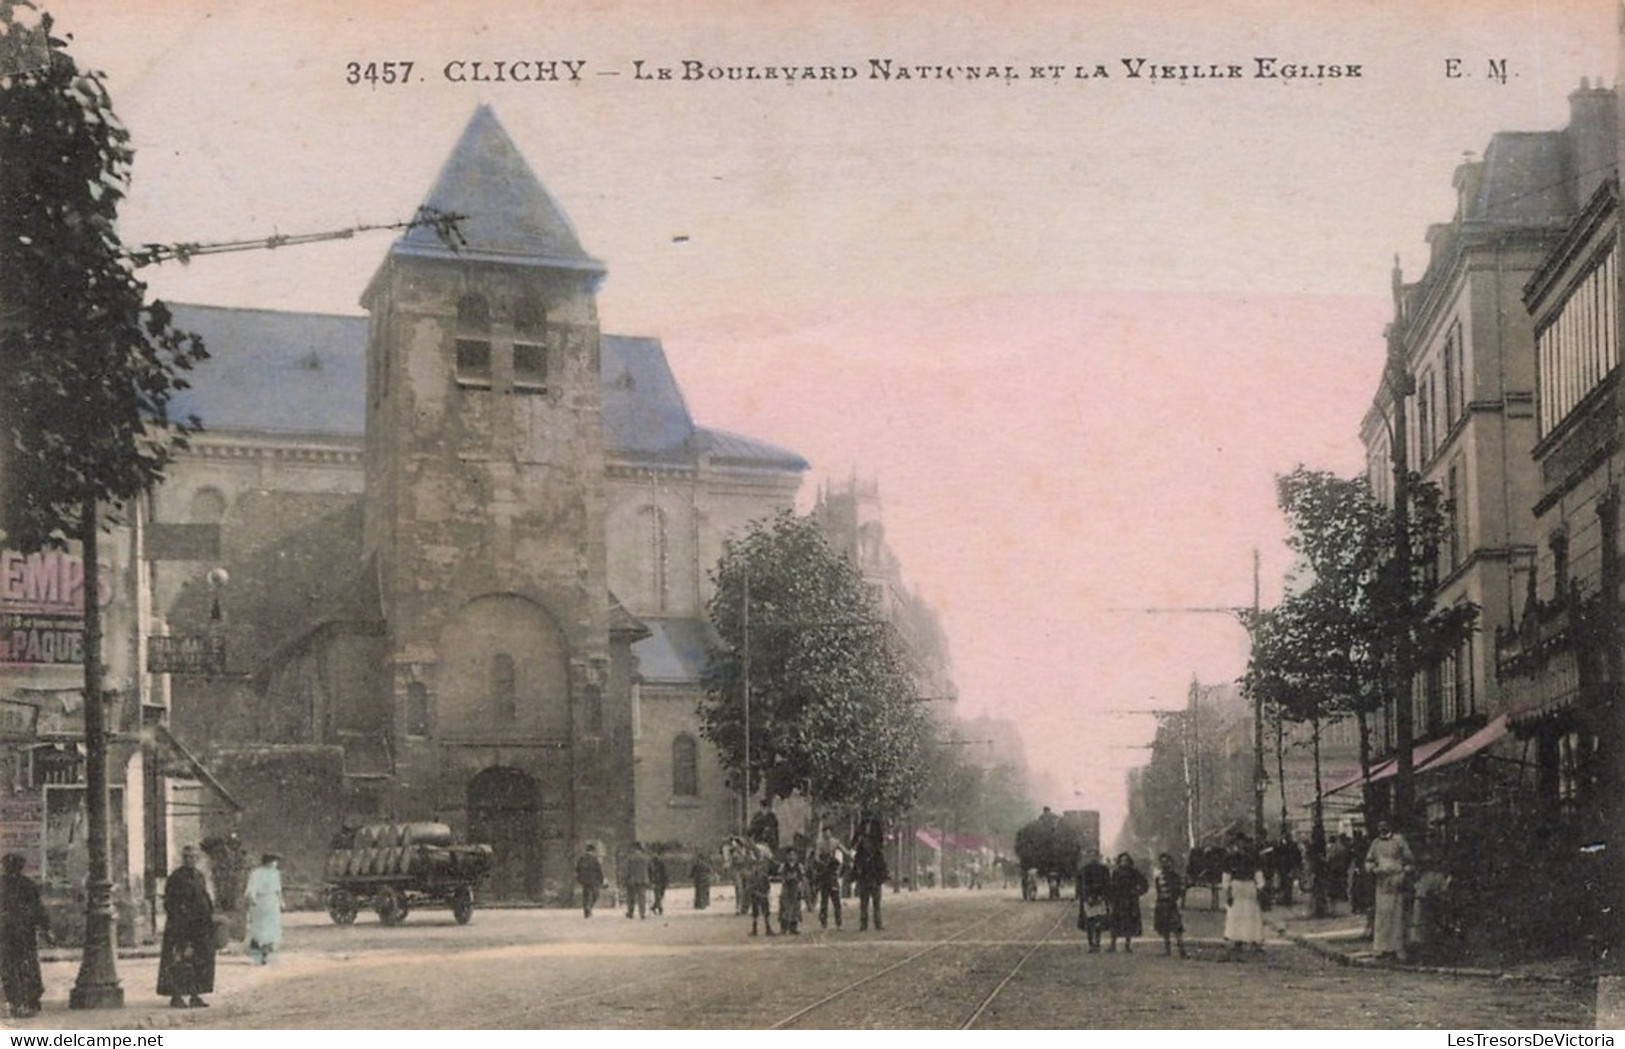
(1109,903)
(792,874)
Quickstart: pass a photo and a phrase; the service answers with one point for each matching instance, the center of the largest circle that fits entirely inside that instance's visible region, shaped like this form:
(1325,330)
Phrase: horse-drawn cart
(394,867)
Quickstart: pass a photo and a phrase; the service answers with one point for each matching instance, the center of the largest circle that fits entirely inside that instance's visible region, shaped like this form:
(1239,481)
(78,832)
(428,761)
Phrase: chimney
(1593,135)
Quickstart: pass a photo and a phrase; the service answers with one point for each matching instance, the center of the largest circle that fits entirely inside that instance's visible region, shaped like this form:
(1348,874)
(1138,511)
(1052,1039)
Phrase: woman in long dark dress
(186,967)
(1123,901)
(22,920)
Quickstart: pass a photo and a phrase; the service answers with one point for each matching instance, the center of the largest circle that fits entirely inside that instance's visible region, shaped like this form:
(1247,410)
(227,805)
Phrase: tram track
(957,938)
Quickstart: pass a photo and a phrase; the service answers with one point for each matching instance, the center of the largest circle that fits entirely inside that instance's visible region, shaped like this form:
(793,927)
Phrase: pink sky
(1073,328)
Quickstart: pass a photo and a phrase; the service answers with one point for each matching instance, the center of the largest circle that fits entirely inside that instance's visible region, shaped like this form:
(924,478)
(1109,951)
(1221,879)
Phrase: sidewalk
(1342,937)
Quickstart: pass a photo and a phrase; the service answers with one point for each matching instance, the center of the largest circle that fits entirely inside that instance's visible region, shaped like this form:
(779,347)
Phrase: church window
(504,690)
(529,346)
(417,709)
(473,341)
(685,767)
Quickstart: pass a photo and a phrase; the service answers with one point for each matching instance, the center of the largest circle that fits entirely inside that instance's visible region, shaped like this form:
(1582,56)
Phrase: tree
(87,367)
(831,710)
(1350,624)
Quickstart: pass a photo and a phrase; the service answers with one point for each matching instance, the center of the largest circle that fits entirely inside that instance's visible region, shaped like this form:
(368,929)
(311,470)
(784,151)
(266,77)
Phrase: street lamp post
(97,986)
(1400,386)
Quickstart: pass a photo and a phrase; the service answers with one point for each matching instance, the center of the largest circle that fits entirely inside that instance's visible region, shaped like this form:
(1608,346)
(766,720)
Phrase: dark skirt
(1125,918)
(1166,919)
(19,967)
(186,965)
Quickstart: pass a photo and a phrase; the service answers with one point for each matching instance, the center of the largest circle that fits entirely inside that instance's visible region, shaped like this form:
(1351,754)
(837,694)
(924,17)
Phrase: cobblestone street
(945,960)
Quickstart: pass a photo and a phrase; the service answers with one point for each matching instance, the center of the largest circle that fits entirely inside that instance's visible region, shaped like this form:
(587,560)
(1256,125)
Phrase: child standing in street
(760,887)
(1166,919)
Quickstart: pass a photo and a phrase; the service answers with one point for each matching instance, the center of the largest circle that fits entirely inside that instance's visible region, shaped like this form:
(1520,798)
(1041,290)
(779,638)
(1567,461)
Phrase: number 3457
(375,73)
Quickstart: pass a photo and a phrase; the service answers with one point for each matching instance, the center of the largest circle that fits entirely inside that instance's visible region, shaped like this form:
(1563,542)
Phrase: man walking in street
(869,871)
(828,856)
(590,876)
(635,881)
(657,883)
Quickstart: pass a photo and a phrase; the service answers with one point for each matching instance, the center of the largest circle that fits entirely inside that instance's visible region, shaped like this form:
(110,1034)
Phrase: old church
(466,542)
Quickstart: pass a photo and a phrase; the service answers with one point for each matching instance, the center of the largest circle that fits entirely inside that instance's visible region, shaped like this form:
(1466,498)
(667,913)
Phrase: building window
(529,368)
(417,709)
(1560,565)
(529,346)
(1455,378)
(473,341)
(1455,521)
(685,767)
(504,687)
(1578,347)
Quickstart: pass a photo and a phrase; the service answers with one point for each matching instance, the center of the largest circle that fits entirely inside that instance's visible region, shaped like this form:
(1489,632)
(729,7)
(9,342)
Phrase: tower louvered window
(473,341)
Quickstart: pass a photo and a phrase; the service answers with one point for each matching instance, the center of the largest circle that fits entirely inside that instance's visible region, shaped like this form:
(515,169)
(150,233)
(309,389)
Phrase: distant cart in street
(395,867)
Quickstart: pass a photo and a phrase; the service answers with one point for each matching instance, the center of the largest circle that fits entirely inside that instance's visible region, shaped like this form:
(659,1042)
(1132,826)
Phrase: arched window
(473,341)
(685,767)
(208,506)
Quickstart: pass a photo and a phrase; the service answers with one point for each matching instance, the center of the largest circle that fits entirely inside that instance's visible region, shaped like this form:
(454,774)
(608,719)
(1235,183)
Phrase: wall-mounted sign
(187,654)
(42,602)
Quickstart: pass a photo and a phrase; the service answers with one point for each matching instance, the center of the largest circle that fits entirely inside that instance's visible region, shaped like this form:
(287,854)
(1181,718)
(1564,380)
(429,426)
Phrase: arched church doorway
(504,811)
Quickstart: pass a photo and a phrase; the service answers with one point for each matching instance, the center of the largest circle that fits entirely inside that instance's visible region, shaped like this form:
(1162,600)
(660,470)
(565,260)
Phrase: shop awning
(1421,756)
(1484,737)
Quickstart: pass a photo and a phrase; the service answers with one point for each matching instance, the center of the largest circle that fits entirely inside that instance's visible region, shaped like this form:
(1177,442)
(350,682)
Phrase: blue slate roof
(1526,179)
(508,214)
(644,412)
(675,650)
(276,372)
(306,373)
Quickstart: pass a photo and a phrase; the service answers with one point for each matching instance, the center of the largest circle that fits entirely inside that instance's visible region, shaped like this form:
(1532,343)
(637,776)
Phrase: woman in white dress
(1242,882)
(264,898)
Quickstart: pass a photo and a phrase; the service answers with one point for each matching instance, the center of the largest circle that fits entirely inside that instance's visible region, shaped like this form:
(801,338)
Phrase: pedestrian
(590,876)
(1243,885)
(1432,924)
(701,874)
(828,857)
(1094,885)
(22,922)
(262,899)
(792,877)
(759,890)
(1360,886)
(657,883)
(186,961)
(1390,864)
(635,881)
(1123,894)
(1288,865)
(869,872)
(1337,869)
(1165,916)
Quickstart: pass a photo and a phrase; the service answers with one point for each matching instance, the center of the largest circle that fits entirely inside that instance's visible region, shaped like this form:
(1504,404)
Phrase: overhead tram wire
(444,224)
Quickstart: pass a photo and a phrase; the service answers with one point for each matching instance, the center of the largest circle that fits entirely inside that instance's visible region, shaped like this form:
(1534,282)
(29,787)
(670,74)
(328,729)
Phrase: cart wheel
(462,905)
(341,907)
(390,905)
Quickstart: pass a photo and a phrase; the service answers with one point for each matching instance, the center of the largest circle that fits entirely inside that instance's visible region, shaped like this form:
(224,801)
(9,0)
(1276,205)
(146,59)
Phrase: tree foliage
(1349,621)
(833,710)
(87,367)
